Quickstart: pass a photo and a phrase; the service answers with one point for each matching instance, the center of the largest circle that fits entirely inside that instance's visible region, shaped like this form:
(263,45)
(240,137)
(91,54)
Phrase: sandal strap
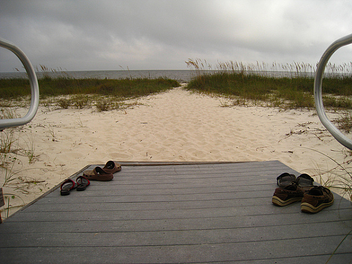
(68,181)
(80,179)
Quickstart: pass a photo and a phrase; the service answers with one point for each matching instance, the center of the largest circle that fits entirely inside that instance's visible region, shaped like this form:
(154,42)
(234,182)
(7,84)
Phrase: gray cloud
(104,35)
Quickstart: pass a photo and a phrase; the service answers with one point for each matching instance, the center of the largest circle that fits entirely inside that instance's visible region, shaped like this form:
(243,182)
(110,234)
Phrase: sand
(172,126)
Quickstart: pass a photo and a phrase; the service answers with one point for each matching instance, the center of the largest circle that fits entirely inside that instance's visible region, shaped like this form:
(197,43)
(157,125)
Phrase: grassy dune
(245,82)
(14,88)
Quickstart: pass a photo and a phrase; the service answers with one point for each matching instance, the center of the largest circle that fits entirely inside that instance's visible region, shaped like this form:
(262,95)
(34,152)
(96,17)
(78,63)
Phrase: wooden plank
(174,237)
(165,213)
(182,224)
(275,251)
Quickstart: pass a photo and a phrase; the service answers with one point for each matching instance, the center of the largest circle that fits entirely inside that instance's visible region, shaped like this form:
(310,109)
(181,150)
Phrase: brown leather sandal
(98,174)
(110,167)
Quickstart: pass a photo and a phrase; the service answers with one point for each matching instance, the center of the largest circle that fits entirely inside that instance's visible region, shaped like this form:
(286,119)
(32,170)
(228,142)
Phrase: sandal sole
(308,208)
(277,201)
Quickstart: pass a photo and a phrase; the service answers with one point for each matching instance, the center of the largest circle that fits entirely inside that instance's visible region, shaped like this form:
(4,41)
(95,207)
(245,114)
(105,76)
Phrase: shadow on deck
(177,213)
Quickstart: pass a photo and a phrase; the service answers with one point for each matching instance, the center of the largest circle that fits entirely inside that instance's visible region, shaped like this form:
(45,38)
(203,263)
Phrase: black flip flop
(82,183)
(67,186)
(285,179)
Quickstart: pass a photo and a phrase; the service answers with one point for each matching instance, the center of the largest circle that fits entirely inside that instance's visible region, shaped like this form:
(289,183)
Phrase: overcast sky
(163,34)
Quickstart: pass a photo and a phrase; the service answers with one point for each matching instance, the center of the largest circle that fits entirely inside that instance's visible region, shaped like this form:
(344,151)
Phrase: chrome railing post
(4,123)
(318,91)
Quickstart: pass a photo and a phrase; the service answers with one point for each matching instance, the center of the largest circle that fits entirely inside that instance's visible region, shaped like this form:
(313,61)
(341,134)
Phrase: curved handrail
(318,90)
(4,123)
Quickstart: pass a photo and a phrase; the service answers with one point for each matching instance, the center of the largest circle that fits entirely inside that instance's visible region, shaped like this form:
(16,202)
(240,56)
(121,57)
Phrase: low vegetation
(15,88)
(295,91)
(66,92)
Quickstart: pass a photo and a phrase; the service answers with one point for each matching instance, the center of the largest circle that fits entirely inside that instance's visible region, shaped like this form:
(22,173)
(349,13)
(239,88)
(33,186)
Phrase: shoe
(82,183)
(316,199)
(285,179)
(305,182)
(98,174)
(67,186)
(110,167)
(287,195)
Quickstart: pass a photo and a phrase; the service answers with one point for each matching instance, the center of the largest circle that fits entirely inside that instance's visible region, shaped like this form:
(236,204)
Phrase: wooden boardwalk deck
(177,213)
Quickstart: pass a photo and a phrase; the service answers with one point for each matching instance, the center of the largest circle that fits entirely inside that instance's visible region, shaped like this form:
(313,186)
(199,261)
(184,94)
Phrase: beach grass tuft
(344,122)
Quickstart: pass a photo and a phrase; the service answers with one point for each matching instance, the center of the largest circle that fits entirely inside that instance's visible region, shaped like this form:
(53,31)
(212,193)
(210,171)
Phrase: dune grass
(65,92)
(287,92)
(127,88)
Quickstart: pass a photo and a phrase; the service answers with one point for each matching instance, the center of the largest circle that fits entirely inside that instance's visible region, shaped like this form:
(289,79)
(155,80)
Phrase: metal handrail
(318,90)
(4,123)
